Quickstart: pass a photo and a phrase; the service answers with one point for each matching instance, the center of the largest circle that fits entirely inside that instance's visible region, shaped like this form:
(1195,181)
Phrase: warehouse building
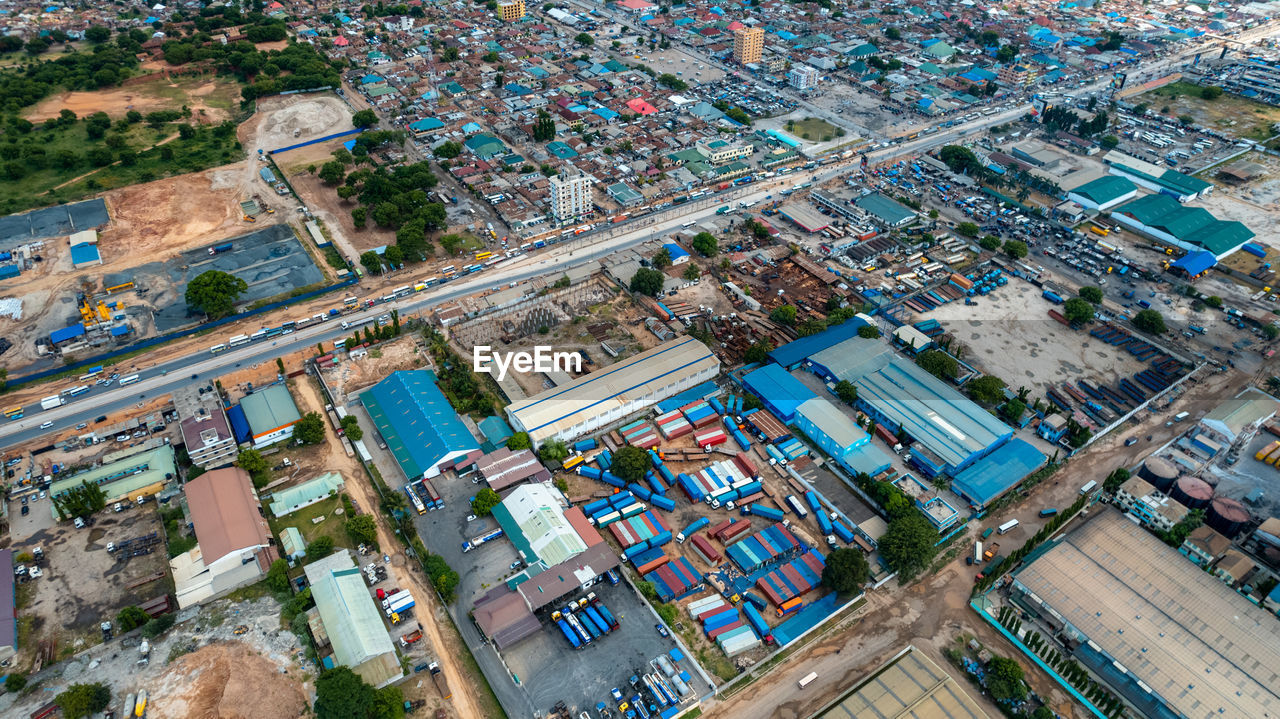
(265,417)
(137,475)
(1170,183)
(951,432)
(504,468)
(908,685)
(235,548)
(988,479)
(781,393)
(346,623)
(421,429)
(614,392)
(831,429)
(1104,192)
(1188,228)
(792,354)
(1170,638)
(887,212)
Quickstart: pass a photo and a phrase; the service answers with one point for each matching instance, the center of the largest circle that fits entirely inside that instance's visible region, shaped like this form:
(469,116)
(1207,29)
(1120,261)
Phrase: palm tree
(1273,384)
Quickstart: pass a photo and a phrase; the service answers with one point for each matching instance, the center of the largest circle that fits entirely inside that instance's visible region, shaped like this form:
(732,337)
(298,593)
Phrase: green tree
(869,332)
(1211,93)
(252,462)
(1017,249)
(362,529)
(1005,680)
(82,700)
(672,82)
(97,34)
(1013,410)
(907,546)
(332,173)
(704,243)
(484,502)
(278,576)
(630,463)
(518,441)
(130,618)
(846,391)
(845,571)
(1091,294)
(1150,321)
(758,352)
(159,625)
(692,272)
(14,682)
(939,364)
(1077,310)
(584,39)
(342,694)
(553,450)
(968,229)
(309,429)
(364,118)
(1214,301)
(448,150)
(214,293)
(544,127)
(661,258)
(359,215)
(372,262)
(351,428)
(320,548)
(991,243)
(784,315)
(647,281)
(988,389)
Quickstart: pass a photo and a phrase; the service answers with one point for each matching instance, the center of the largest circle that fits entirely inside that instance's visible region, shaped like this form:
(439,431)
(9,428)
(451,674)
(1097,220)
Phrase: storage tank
(1192,492)
(1159,473)
(1228,516)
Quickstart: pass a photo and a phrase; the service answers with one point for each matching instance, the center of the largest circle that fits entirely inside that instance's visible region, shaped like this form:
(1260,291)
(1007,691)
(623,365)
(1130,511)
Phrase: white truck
(51,402)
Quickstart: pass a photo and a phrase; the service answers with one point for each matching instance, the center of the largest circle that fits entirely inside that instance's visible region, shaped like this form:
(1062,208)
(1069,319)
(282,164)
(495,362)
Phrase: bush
(130,618)
(15,682)
(82,700)
(158,626)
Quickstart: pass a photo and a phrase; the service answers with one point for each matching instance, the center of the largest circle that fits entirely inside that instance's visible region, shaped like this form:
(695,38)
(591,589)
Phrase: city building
(1168,637)
(1052,428)
(503,468)
(1204,546)
(421,429)
(206,433)
(1163,180)
(511,10)
(346,622)
(1104,193)
(827,426)
(720,152)
(1016,75)
(781,393)
(234,543)
(885,211)
(570,196)
(613,392)
(291,499)
(803,77)
(140,474)
(1188,228)
(908,685)
(265,417)
(748,44)
(1152,507)
(1234,568)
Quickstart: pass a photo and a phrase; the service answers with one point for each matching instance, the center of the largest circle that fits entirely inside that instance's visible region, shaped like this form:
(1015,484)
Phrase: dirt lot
(1232,113)
(355,375)
(210,100)
(83,584)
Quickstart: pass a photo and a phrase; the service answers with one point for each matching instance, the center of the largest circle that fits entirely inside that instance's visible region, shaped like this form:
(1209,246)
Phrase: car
(662,630)
(82,425)
(119,507)
(100,419)
(24,500)
(1131,441)
(515,565)
(471,517)
(42,493)
(47,425)
(617,695)
(25,510)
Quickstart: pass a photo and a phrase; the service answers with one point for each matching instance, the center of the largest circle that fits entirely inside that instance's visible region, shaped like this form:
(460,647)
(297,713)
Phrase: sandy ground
(227,680)
(140,96)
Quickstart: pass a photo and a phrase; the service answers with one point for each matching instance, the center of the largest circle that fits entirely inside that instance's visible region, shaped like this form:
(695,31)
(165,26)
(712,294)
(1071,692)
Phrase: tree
(893,33)
(362,529)
(342,694)
(518,441)
(97,34)
(484,502)
(846,391)
(784,315)
(869,332)
(214,293)
(704,243)
(988,389)
(448,150)
(544,127)
(372,261)
(846,571)
(1270,331)
(278,575)
(130,618)
(1077,310)
(1149,321)
(364,118)
(309,429)
(1017,249)
(584,39)
(692,272)
(1013,410)
(1109,142)
(358,216)
(630,463)
(1007,53)
(14,682)
(1091,294)
(968,229)
(351,428)
(1214,301)
(320,548)
(252,462)
(939,364)
(553,450)
(661,259)
(647,281)
(1211,93)
(672,82)
(907,546)
(991,243)
(82,700)
(332,173)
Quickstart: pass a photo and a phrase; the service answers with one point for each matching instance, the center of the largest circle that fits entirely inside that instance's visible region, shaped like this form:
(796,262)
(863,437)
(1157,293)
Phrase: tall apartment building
(803,77)
(748,44)
(511,10)
(570,196)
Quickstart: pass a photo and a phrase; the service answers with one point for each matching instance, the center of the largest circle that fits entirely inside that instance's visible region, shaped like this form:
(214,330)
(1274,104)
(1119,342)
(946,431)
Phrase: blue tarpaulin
(1194,263)
(66,333)
(239,425)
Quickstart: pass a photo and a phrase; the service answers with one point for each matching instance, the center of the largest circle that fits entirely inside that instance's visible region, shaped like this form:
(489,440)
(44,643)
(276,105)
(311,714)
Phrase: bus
(13,413)
(76,391)
(448,270)
(807,679)
(689,224)
(402,291)
(797,506)
(977,552)
(430,281)
(350,302)
(217,348)
(128,379)
(260,334)
(418,506)
(572,462)
(1088,487)
(239,340)
(483,255)
(1007,526)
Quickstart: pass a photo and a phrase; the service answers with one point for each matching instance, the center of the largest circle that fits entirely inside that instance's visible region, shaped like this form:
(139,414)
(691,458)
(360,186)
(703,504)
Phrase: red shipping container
(769,593)
(735,530)
(745,465)
(707,551)
(650,566)
(794,577)
(748,499)
(709,419)
(720,527)
(726,628)
(812,561)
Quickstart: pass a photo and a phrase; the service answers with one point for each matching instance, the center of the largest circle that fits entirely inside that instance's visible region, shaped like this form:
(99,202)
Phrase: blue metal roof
(239,424)
(82,253)
(66,333)
(693,394)
(793,353)
(780,392)
(998,472)
(495,429)
(119,330)
(425,124)
(675,251)
(419,425)
(1196,262)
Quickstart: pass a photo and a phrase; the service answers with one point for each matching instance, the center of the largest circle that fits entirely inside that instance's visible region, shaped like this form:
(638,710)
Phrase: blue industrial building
(951,432)
(793,354)
(781,393)
(1000,471)
(837,435)
(422,430)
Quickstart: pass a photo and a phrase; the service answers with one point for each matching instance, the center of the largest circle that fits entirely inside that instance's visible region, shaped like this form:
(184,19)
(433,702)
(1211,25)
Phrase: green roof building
(347,621)
(271,414)
(1189,228)
(138,475)
(287,501)
(887,212)
(1104,192)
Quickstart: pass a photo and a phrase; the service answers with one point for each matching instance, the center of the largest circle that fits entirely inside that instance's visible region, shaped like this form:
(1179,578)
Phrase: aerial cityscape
(636,359)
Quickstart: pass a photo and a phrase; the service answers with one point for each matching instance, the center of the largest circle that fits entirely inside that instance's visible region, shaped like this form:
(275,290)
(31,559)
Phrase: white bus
(977,552)
(1004,528)
(239,340)
(807,679)
(258,335)
(1088,487)
(402,291)
(75,391)
(349,302)
(797,506)
(217,348)
(689,224)
(128,379)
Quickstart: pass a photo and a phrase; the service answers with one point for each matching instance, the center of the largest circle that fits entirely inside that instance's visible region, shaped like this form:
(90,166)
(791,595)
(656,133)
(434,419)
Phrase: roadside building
(1152,507)
(503,468)
(268,416)
(748,44)
(291,499)
(138,475)
(886,212)
(803,77)
(206,433)
(346,622)
(511,10)
(235,548)
(1163,180)
(570,196)
(421,429)
(613,392)
(1104,192)
(1188,228)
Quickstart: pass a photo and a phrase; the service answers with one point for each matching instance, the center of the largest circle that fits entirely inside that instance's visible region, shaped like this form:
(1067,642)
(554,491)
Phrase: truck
(1181,416)
(476,541)
(442,684)
(604,612)
(1048,512)
(991,550)
(1087,488)
(694,527)
(219,249)
(722,210)
(51,402)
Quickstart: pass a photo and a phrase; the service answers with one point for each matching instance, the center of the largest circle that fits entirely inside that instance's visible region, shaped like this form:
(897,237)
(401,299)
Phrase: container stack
(646,529)
(792,580)
(673,424)
(699,414)
(764,546)
(640,434)
(675,580)
(711,437)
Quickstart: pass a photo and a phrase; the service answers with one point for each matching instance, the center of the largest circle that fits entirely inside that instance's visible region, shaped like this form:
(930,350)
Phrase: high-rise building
(803,77)
(511,10)
(570,196)
(748,44)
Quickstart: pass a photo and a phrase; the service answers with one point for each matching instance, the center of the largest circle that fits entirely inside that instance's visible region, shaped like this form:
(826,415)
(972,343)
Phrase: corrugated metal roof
(123,476)
(781,392)
(421,428)
(823,413)
(795,352)
(269,409)
(910,685)
(351,619)
(998,472)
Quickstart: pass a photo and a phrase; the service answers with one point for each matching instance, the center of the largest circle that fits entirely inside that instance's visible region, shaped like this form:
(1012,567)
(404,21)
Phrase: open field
(210,100)
(1245,118)
(812,128)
